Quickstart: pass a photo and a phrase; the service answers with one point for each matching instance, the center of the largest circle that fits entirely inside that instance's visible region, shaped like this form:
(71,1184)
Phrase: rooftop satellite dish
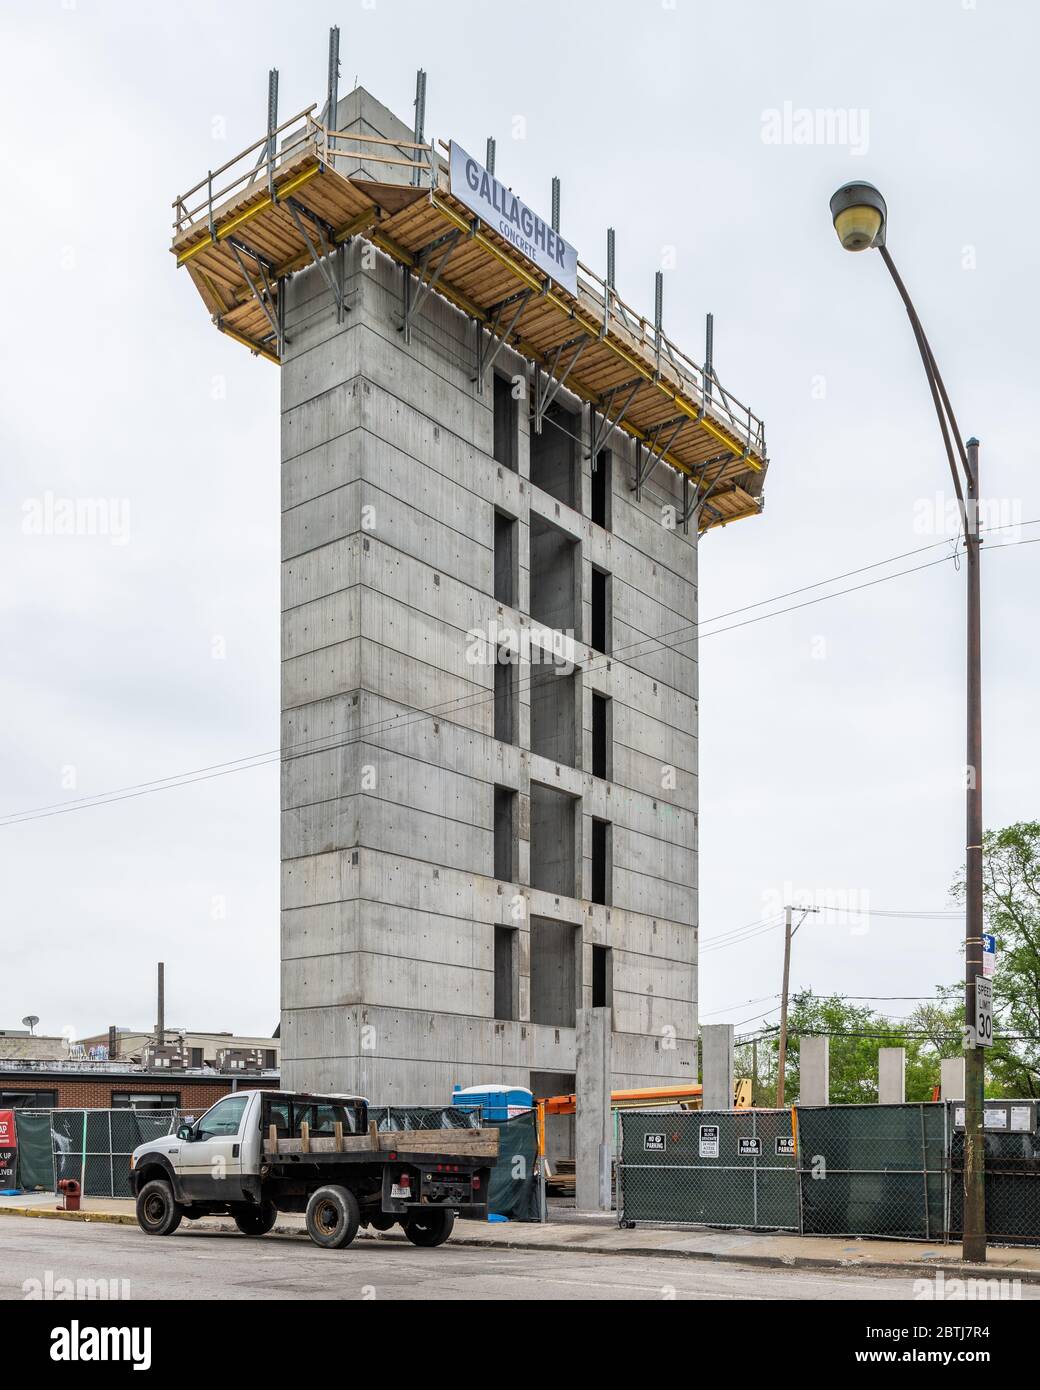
(30,1021)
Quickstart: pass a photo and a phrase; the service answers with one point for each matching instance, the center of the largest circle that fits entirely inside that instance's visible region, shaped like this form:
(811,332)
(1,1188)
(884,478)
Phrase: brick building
(117,1086)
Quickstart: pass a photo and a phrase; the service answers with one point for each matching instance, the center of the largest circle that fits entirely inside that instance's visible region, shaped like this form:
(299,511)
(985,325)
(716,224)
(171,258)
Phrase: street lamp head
(859,214)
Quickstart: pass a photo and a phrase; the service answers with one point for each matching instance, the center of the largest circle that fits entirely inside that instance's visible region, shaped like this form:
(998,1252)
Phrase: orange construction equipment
(685,1097)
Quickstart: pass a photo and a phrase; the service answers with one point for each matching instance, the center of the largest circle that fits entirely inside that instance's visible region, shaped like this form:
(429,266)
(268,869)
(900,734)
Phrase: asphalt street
(37,1255)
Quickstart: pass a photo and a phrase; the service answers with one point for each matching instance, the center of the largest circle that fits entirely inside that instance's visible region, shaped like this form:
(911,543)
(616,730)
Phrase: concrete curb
(109,1218)
(916,1267)
(956,1268)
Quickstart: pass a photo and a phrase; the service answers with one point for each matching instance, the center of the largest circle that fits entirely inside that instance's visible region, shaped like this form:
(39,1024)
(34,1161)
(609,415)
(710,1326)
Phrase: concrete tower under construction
(494,477)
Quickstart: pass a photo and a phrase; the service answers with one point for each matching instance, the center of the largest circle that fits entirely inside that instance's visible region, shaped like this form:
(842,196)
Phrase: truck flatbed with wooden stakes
(257,1153)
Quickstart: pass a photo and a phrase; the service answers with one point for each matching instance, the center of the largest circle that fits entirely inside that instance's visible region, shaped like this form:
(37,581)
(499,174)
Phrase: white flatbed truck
(257,1153)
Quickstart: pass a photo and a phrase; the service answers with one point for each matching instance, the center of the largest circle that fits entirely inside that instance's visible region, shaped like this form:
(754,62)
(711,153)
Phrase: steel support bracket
(485,354)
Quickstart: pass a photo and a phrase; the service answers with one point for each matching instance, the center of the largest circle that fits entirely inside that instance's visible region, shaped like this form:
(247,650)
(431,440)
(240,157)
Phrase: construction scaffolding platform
(301,191)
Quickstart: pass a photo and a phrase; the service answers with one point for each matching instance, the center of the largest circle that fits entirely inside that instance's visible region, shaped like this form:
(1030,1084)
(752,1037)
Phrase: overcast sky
(832,742)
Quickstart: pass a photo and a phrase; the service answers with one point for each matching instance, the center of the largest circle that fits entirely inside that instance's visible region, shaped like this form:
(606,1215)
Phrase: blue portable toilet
(495,1102)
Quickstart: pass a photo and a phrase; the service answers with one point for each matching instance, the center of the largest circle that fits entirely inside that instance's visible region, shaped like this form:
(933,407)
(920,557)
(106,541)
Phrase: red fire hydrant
(70,1194)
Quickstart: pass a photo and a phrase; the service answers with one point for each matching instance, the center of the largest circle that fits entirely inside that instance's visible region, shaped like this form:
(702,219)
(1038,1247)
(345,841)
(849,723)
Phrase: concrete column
(717,1066)
(951,1078)
(592,1126)
(814,1070)
(891,1075)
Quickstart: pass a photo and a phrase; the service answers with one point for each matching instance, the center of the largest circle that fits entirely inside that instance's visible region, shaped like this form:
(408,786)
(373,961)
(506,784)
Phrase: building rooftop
(294,196)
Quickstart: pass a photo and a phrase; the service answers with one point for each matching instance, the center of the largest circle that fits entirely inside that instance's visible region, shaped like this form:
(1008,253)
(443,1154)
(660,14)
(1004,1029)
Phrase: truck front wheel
(333,1217)
(157,1212)
(256,1221)
(430,1228)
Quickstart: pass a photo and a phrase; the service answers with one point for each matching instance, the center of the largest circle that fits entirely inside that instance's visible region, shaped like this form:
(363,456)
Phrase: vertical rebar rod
(658,314)
(555,204)
(272,125)
(489,158)
(709,354)
(608,298)
(420,121)
(331,117)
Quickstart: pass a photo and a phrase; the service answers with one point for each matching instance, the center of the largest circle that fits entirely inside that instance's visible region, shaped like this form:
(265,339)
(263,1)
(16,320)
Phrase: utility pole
(788,936)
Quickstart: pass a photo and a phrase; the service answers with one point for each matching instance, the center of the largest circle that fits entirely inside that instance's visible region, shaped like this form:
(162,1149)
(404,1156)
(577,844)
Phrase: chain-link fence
(708,1168)
(1011,1139)
(94,1146)
(394,1117)
(873,1170)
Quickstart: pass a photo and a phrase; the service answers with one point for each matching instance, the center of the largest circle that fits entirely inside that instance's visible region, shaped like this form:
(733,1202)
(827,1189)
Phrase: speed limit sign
(983,1012)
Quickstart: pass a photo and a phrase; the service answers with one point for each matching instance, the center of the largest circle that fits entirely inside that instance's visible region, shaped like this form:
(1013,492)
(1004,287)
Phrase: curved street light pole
(860,216)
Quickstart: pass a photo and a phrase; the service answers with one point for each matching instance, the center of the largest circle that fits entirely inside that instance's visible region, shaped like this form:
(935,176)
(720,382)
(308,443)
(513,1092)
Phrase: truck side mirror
(185,1132)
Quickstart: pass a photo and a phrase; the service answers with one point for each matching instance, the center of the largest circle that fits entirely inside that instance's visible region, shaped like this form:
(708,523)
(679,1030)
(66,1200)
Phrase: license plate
(402,1193)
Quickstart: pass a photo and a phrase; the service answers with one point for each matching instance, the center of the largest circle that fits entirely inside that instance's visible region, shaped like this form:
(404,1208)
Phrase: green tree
(1011,902)
(935,1031)
(857,1033)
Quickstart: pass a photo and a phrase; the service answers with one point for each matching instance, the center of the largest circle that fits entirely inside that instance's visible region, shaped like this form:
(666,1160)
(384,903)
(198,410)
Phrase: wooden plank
(466,1143)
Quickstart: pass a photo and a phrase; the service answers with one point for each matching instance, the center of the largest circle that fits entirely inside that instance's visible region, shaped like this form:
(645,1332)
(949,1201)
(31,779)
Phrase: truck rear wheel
(157,1212)
(333,1217)
(430,1228)
(256,1221)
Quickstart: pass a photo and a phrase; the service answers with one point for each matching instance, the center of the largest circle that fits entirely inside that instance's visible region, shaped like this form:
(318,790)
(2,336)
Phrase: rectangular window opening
(601,616)
(554,714)
(505,834)
(601,977)
(600,886)
(505,972)
(553,838)
(554,454)
(505,559)
(601,468)
(555,577)
(601,761)
(505,720)
(554,967)
(505,422)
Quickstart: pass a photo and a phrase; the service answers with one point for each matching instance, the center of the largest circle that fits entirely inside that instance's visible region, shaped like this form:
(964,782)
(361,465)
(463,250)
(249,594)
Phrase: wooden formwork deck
(280,221)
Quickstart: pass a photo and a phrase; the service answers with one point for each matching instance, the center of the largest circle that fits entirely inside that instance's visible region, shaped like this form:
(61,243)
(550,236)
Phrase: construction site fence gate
(708,1168)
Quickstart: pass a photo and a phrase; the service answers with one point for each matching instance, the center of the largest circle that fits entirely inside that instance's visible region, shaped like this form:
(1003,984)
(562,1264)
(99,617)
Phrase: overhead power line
(261,759)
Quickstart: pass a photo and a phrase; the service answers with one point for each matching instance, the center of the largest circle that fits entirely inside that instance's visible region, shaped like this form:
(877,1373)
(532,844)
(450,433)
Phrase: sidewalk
(599,1234)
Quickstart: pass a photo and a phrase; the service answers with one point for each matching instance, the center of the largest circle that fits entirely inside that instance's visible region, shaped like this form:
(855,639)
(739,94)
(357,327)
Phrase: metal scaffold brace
(485,354)
(656,451)
(697,503)
(415,295)
(548,383)
(262,290)
(326,236)
(608,422)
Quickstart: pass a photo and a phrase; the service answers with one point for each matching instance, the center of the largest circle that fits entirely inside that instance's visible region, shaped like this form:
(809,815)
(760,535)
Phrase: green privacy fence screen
(35,1160)
(711,1168)
(873,1170)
